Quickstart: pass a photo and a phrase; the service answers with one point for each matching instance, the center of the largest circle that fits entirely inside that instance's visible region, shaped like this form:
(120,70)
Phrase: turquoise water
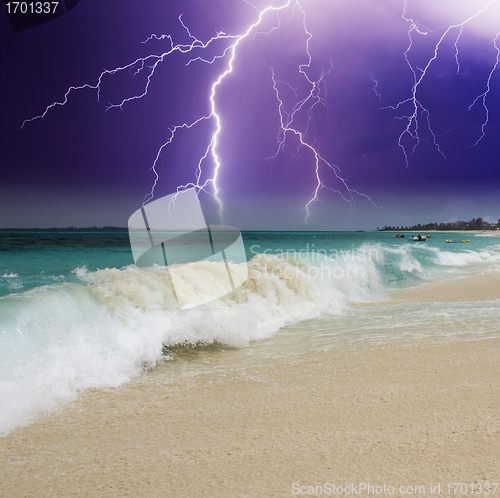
(75,313)
(32,259)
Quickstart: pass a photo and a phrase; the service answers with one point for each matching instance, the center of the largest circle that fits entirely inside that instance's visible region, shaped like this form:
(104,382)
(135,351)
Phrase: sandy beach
(418,412)
(474,288)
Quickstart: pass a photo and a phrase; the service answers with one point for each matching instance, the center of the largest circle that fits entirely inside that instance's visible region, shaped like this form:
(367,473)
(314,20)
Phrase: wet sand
(410,413)
(474,288)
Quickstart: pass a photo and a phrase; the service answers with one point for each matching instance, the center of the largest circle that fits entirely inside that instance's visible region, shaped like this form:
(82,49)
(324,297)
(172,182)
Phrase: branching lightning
(289,127)
(292,129)
(482,97)
(288,124)
(419,111)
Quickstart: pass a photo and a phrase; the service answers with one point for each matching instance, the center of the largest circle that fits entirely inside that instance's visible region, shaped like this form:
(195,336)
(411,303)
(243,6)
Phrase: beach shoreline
(496,232)
(471,288)
(405,413)
(412,411)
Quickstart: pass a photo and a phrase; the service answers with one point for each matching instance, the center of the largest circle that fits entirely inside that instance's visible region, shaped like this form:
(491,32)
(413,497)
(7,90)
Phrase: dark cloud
(81,150)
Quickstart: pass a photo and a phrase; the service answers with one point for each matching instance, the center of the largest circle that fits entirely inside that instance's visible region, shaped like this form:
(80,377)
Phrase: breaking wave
(104,329)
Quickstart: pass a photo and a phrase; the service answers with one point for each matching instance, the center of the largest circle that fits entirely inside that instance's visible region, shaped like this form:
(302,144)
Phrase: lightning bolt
(289,125)
(482,97)
(375,85)
(420,113)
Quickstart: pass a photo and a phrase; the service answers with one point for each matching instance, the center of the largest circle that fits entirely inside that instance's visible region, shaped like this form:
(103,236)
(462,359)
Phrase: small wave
(446,258)
(10,275)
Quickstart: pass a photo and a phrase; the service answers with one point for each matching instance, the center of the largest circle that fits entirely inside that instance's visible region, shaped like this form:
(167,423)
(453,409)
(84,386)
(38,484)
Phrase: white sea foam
(59,339)
(447,258)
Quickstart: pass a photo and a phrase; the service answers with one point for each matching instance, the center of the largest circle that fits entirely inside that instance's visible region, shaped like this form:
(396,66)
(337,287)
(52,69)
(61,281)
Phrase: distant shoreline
(67,229)
(457,230)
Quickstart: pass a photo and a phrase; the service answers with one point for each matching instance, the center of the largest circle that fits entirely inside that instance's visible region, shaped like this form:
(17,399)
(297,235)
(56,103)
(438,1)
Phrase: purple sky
(83,166)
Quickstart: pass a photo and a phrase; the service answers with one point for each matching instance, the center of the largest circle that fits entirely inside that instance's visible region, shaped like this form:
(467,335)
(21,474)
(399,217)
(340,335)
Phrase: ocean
(77,314)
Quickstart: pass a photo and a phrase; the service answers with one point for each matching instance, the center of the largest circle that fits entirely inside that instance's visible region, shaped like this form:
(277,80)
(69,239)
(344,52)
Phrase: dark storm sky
(84,166)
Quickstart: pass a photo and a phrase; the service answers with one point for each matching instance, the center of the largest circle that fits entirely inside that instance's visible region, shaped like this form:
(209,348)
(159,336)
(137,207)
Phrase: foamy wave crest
(63,338)
(489,255)
(413,263)
(59,339)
